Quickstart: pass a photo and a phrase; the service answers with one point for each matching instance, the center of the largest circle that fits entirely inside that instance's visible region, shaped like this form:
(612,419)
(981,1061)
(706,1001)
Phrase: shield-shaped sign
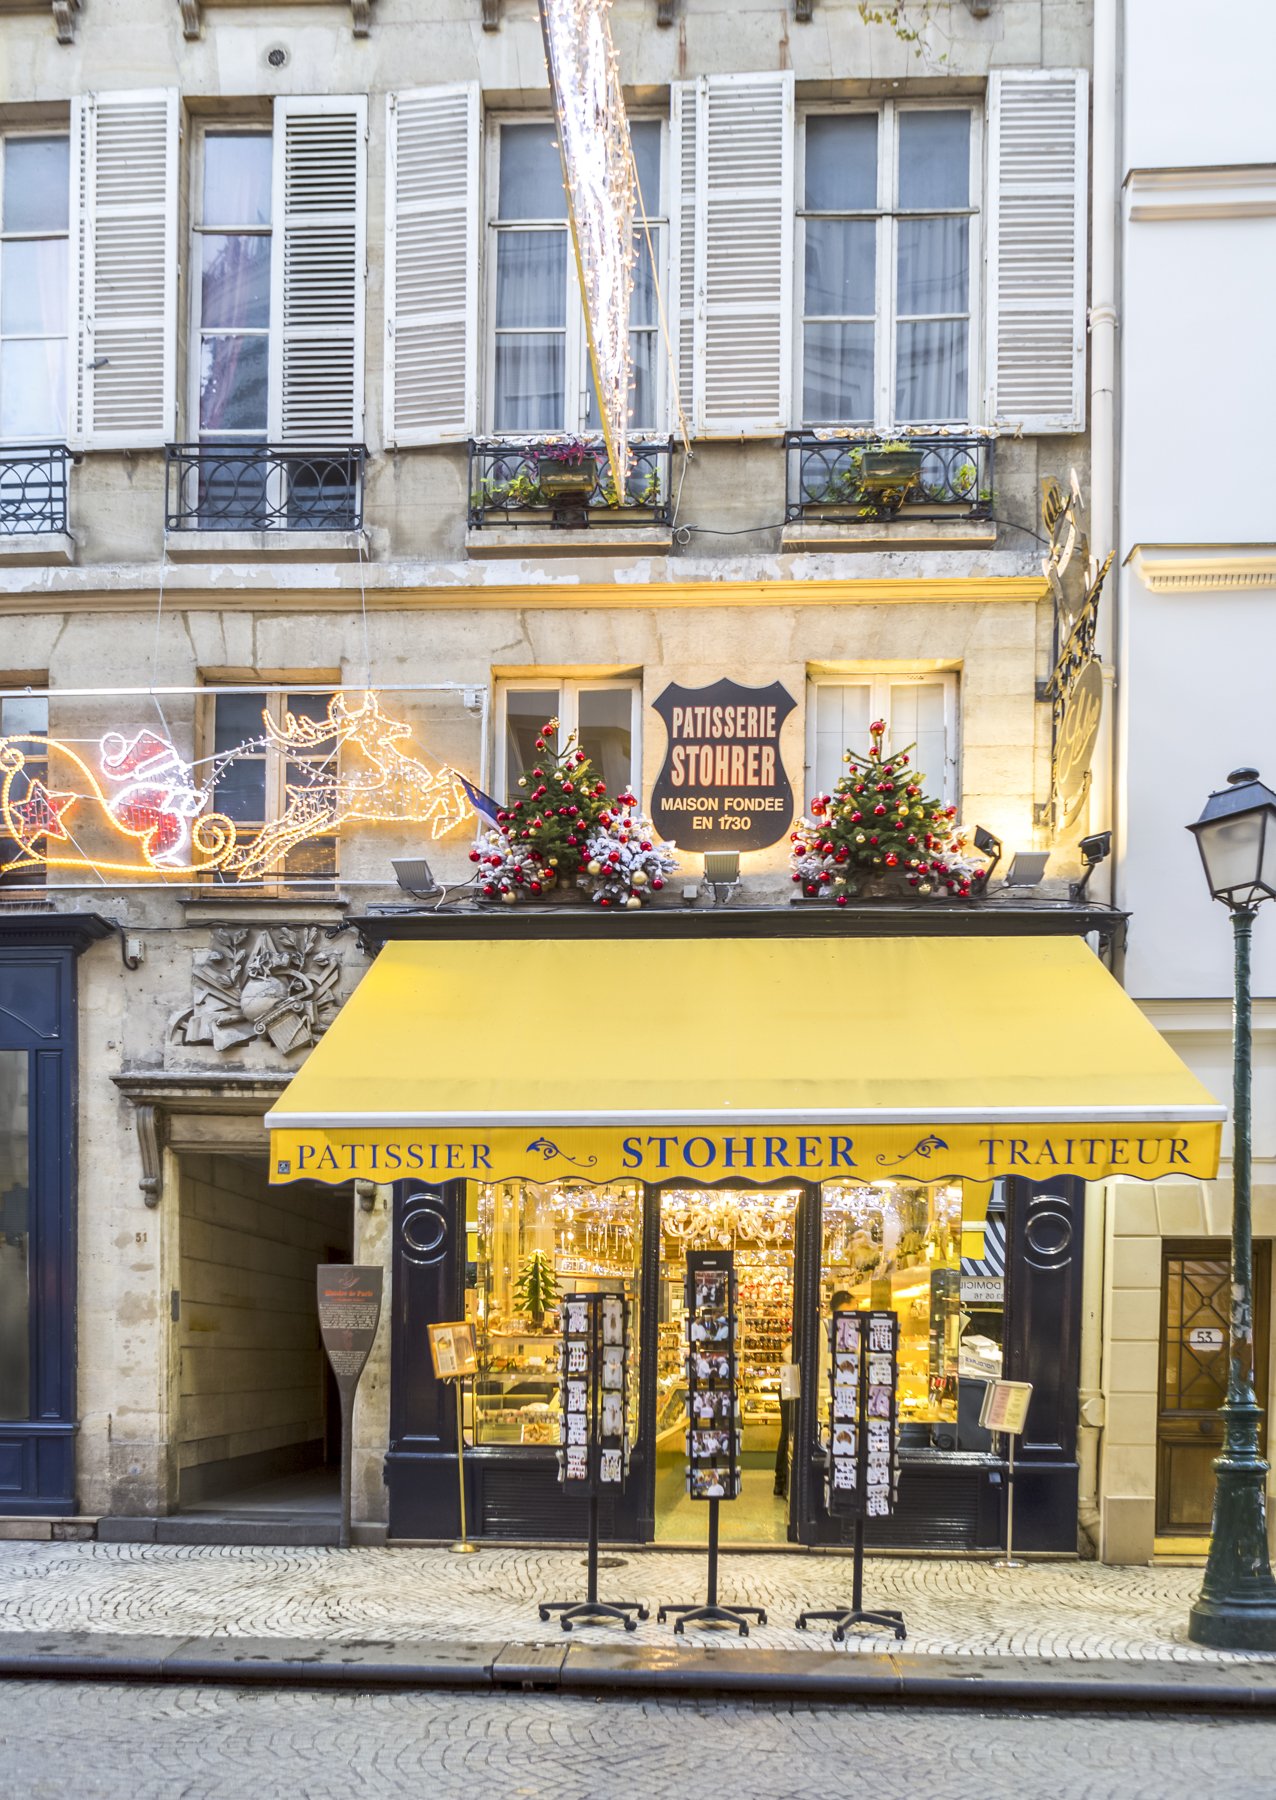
(723,785)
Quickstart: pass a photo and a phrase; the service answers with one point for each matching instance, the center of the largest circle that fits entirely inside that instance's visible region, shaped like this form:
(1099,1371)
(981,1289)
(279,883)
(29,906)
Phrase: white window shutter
(1036,354)
(123,339)
(681,307)
(318,270)
(733,251)
(431,264)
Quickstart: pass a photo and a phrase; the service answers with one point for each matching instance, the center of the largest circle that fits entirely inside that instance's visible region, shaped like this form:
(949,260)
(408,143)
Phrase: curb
(578,1668)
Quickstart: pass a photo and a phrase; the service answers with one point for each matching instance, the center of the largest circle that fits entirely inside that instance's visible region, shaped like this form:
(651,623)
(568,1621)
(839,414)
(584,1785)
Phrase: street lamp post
(1236,1607)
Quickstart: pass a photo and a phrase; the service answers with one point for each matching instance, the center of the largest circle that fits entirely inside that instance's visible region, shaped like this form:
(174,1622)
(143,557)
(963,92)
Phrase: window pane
(645,136)
(531,279)
(238,718)
(642,306)
(237,178)
(841,267)
(529,382)
(841,162)
(932,381)
(34,295)
(906,1247)
(309,706)
(33,389)
(837,373)
(232,384)
(235,285)
(842,713)
(933,266)
(15,1238)
(37,184)
(916,716)
(530,1246)
(23,716)
(605,734)
(526,710)
(531,173)
(934,159)
(643,351)
(241,790)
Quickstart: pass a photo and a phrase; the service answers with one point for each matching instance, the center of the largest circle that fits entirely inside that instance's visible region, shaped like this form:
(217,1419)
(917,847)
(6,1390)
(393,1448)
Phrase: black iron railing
(506,487)
(33,488)
(841,478)
(263,487)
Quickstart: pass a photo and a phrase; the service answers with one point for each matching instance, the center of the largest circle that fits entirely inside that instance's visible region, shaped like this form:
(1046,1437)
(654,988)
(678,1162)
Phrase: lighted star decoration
(598,167)
(147,810)
(40,815)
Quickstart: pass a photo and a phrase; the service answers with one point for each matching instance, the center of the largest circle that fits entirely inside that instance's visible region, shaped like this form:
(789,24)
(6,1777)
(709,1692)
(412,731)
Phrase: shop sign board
(453,1351)
(983,1290)
(863,1461)
(723,784)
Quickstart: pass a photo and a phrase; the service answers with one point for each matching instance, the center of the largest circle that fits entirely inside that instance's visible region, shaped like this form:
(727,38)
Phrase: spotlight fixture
(988,844)
(1094,850)
(1027,868)
(415,876)
(722,874)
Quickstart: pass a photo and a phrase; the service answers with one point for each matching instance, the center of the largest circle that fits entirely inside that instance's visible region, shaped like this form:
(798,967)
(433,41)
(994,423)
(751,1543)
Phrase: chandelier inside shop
(598,173)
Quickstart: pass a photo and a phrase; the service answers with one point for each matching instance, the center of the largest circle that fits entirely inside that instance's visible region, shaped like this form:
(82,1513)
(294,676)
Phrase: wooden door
(1195,1313)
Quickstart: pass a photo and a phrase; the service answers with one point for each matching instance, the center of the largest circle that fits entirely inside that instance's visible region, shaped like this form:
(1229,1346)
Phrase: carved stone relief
(277,984)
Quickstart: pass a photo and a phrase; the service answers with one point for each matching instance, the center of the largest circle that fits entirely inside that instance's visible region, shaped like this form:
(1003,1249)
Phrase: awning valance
(680,1060)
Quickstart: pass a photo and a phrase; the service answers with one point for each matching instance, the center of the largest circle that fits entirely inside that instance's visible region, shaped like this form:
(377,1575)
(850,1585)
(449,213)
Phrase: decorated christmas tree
(536,1290)
(565,828)
(878,823)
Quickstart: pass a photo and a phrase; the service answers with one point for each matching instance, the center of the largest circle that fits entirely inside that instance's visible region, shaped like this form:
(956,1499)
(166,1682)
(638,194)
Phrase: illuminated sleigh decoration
(157,817)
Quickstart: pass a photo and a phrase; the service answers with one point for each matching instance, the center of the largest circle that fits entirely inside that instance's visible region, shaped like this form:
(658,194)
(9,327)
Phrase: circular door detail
(423,1231)
(1048,1232)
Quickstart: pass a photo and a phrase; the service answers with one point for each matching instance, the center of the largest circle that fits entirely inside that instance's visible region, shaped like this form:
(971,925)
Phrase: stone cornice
(1203,568)
(1225,191)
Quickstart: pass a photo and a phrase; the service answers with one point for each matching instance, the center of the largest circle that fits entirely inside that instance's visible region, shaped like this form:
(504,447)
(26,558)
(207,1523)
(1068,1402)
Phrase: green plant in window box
(567,468)
(536,1290)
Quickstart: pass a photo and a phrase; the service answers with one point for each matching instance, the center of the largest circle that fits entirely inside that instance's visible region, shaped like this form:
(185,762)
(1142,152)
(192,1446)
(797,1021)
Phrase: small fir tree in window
(536,1290)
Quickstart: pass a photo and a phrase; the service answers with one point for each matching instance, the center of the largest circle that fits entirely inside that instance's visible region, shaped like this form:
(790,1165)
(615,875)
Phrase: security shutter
(122,387)
(733,248)
(431,257)
(1037,141)
(318,271)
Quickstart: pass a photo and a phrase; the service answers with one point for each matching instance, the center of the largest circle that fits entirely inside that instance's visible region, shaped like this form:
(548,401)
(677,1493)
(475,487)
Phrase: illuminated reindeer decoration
(389,786)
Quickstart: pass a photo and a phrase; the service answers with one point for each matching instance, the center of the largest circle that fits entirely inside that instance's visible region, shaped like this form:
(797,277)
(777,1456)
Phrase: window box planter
(891,472)
(567,480)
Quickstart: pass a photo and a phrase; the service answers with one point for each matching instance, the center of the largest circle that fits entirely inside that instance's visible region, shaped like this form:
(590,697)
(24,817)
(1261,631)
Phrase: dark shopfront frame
(948,1500)
(38,1016)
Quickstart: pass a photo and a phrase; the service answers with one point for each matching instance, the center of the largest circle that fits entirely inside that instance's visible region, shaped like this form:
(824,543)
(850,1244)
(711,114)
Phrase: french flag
(484,806)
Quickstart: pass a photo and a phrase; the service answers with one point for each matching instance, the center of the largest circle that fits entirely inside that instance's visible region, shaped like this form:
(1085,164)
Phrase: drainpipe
(1104,790)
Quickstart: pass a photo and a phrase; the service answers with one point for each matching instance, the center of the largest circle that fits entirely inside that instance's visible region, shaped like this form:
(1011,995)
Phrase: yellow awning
(683,1060)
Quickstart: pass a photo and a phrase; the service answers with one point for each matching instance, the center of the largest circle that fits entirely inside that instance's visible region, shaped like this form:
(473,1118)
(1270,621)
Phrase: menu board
(863,1466)
(594,1393)
(713,1403)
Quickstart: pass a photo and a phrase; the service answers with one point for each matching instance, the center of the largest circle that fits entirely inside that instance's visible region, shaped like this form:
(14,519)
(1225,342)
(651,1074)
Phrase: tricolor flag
(484,806)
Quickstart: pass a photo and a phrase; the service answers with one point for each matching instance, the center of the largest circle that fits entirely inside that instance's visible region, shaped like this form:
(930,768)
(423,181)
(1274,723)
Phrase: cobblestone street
(104,1742)
(952,1606)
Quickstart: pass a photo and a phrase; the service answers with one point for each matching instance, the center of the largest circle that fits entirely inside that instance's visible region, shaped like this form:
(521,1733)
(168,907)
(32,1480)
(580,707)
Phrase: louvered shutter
(1037,249)
(681,307)
(318,271)
(431,264)
(122,389)
(735,223)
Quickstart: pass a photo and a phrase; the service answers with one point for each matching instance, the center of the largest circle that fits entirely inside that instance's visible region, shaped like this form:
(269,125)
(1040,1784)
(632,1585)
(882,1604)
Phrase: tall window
(919,710)
(34,225)
(232,287)
(602,714)
(264,786)
(539,365)
(15,1237)
(23,716)
(887,226)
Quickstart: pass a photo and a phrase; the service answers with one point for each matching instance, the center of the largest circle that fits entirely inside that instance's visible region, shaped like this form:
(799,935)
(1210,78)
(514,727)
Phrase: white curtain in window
(531,278)
(932,359)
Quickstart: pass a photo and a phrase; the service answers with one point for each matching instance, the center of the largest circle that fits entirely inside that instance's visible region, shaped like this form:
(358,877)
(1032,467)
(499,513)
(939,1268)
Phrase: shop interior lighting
(1027,867)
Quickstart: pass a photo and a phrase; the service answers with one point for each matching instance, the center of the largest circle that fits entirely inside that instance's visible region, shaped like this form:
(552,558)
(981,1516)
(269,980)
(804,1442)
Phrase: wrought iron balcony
(506,487)
(263,487)
(33,489)
(846,479)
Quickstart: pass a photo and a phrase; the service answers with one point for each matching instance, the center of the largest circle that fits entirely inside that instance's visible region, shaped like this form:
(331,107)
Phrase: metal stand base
(887,1619)
(461,1549)
(1008,1562)
(712,1614)
(594,1612)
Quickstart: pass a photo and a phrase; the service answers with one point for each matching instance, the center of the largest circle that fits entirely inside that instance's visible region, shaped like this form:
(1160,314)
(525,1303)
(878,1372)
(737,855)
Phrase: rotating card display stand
(594,1457)
(863,1464)
(713,1420)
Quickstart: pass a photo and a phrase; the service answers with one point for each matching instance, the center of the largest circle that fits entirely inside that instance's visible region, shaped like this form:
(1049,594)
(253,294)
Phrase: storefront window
(15,1238)
(530,1244)
(935,1254)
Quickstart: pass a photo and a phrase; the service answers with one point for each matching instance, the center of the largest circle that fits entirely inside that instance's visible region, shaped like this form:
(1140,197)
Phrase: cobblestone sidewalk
(952,1607)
